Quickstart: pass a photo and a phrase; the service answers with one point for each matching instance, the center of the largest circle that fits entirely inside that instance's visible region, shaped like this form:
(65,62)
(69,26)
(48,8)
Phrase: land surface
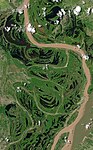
(46,85)
(70,128)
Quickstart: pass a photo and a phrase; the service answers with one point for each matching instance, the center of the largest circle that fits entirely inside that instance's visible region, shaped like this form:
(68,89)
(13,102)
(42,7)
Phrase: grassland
(71,29)
(62,141)
(41,87)
(13,118)
(5,5)
(72,118)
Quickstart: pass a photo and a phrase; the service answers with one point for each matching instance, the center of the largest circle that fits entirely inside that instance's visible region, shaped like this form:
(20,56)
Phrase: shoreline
(71,127)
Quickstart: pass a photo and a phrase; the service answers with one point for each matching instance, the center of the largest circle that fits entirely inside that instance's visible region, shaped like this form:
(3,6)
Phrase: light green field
(41,87)
(5,5)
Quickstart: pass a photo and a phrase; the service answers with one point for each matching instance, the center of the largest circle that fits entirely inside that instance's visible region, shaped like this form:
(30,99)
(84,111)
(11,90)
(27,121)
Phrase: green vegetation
(90,65)
(71,29)
(5,5)
(18,119)
(72,118)
(40,87)
(4,128)
(43,87)
(62,141)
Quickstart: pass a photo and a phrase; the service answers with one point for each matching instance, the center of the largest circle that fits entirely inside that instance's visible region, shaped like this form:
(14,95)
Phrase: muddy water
(80,131)
(71,127)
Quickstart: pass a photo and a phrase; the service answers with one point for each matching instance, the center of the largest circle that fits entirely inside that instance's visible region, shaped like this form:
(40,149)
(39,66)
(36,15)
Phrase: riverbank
(80,131)
(71,127)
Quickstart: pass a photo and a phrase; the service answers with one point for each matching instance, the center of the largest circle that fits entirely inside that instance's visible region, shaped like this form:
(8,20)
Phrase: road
(75,49)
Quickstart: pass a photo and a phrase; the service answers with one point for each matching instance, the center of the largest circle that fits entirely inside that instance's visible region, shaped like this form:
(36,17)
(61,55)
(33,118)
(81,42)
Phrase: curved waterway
(71,127)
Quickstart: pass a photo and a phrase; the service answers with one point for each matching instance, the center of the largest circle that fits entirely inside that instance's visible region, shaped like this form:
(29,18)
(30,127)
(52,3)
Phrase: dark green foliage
(55,82)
